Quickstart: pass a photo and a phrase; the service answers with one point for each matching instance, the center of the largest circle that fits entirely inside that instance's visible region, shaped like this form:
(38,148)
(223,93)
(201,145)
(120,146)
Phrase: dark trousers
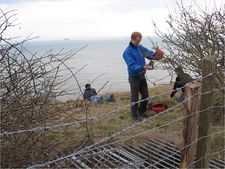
(138,85)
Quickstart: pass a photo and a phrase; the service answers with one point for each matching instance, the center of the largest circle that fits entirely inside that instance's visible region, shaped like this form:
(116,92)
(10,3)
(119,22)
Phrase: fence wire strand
(87,149)
(51,127)
(179,150)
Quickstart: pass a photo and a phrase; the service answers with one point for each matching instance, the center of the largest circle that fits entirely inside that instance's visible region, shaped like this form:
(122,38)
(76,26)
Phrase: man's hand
(159,54)
(148,67)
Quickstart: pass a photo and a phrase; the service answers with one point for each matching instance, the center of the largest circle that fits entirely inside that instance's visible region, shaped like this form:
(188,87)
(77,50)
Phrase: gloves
(172,94)
(159,54)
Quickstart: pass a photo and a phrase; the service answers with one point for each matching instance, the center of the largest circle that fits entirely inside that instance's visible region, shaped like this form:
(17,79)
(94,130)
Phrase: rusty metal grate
(154,153)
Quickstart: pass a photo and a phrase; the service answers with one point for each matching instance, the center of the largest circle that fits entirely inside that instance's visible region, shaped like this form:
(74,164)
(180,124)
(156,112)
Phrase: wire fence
(180,149)
(86,149)
(103,142)
(51,127)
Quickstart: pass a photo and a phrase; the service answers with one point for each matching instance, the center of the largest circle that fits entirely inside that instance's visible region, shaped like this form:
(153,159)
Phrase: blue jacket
(134,57)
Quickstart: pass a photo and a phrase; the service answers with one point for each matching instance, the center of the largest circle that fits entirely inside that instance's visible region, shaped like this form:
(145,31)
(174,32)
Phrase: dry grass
(73,136)
(108,125)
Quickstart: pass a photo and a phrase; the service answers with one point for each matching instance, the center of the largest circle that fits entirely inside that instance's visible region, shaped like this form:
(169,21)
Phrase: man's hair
(179,69)
(87,85)
(136,34)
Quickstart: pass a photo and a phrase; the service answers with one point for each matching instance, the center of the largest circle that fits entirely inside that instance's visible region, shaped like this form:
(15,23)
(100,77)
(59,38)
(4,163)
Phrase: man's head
(179,70)
(136,38)
(87,86)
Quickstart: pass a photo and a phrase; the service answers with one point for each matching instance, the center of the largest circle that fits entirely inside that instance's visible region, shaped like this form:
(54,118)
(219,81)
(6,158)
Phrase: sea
(101,63)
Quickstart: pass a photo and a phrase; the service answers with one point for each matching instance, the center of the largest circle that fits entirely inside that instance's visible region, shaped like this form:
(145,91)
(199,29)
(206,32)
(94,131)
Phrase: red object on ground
(157,107)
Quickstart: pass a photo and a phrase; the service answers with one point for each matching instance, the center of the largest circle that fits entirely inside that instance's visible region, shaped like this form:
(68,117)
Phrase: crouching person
(181,80)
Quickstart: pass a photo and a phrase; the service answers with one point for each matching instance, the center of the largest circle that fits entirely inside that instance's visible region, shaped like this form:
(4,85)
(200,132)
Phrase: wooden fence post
(190,124)
(208,66)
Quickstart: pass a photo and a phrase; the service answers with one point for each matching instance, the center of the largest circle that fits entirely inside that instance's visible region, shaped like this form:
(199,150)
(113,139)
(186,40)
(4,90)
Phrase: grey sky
(79,19)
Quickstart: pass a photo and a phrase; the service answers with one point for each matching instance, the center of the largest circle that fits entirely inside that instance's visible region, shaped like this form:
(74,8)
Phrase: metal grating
(154,153)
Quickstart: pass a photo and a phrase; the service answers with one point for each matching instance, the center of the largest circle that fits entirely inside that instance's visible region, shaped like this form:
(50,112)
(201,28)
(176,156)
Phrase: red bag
(157,107)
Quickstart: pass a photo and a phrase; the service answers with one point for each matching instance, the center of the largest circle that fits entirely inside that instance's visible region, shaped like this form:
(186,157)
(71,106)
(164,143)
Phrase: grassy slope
(75,135)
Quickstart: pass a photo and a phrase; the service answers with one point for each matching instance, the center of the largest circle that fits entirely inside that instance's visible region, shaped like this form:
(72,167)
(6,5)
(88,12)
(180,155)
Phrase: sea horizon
(104,61)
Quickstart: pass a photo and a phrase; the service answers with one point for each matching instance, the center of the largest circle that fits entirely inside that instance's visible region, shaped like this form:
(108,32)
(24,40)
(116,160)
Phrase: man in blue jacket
(134,56)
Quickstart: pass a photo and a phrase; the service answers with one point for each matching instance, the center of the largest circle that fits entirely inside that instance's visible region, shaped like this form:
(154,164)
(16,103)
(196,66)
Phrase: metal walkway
(154,153)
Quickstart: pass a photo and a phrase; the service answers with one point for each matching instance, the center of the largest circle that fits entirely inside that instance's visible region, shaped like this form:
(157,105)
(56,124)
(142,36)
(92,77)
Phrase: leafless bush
(30,88)
(194,33)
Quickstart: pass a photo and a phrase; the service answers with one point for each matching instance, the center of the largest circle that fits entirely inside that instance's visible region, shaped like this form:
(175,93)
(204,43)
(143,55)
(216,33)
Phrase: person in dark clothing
(89,92)
(134,56)
(181,80)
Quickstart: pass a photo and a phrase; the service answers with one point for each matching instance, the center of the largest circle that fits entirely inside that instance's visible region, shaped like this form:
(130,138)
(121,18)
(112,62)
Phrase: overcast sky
(84,19)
